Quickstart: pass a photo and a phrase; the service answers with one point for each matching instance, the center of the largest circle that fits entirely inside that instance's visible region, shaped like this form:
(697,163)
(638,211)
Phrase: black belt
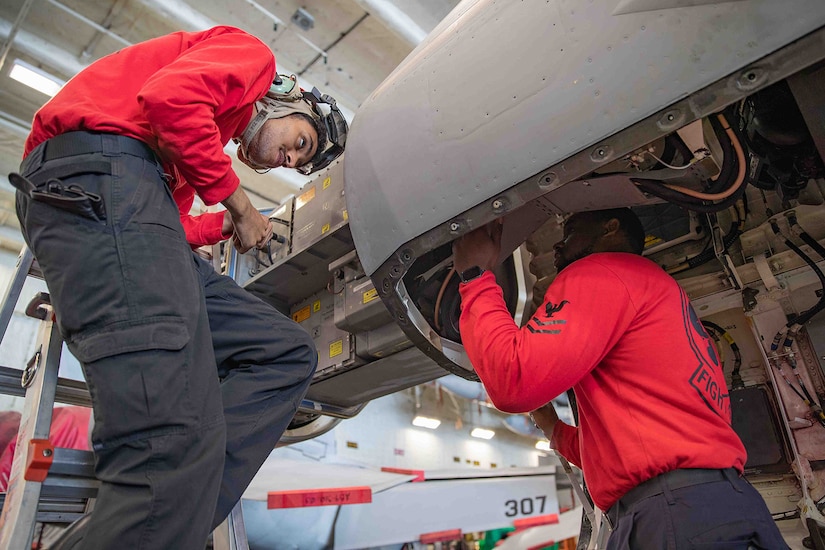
(82,143)
(673,480)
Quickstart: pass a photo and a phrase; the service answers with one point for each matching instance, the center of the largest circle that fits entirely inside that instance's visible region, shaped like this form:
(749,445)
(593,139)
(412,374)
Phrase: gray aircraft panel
(469,114)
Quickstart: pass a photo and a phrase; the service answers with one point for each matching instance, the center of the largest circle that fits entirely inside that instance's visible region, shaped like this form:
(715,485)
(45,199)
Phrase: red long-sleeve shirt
(185,95)
(621,332)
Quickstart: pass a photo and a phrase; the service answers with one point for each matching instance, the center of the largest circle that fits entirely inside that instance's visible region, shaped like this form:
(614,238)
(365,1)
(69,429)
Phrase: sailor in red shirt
(193,380)
(654,439)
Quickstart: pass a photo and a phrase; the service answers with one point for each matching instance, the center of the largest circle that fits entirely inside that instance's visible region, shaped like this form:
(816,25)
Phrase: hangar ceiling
(345,47)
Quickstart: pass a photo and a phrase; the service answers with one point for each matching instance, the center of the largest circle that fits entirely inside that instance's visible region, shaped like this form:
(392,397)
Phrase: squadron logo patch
(537,326)
(707,379)
(552,308)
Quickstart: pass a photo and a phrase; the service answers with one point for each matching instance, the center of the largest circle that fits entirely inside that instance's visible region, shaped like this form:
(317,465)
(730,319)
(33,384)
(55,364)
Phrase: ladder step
(57,509)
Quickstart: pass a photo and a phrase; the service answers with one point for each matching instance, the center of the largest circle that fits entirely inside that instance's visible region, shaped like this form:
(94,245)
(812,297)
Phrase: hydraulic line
(740,176)
(437,312)
(708,254)
(792,328)
(734,156)
(739,153)
(803,318)
(735,377)
(819,249)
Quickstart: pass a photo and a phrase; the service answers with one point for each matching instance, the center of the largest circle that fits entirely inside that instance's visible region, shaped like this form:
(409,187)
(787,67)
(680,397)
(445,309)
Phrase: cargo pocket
(167,334)
(138,374)
(71,198)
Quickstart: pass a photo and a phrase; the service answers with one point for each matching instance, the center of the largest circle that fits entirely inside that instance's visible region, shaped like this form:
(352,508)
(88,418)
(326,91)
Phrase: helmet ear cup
(283,89)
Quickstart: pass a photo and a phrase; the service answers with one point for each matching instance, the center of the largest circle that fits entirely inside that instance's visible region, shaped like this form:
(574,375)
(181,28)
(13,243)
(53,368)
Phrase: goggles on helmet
(285,98)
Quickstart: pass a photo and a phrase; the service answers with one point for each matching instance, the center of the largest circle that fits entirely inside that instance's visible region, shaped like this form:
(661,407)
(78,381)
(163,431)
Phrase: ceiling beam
(395,20)
(44,52)
(182,14)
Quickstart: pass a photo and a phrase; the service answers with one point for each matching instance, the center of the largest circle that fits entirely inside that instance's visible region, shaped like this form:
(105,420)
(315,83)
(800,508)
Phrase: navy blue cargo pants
(193,380)
(694,509)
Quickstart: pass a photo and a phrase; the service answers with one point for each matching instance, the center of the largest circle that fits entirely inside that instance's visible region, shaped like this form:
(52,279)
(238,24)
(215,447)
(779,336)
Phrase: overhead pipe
(21,15)
(89,22)
(115,10)
(396,20)
(44,52)
(180,13)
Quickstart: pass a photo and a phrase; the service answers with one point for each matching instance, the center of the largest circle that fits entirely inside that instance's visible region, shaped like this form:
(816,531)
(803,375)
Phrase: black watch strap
(470,273)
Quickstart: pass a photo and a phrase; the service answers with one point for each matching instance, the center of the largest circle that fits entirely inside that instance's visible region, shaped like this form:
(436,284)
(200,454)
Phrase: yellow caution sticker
(316,306)
(650,240)
(370,295)
(336,348)
(305,198)
(325,228)
(346,215)
(327,182)
(301,315)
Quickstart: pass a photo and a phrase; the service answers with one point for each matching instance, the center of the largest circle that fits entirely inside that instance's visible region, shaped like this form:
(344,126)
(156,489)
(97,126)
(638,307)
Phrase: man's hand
(545,419)
(252,229)
(480,247)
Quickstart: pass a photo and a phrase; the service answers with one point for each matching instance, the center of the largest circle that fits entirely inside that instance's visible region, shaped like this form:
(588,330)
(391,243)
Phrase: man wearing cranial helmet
(193,380)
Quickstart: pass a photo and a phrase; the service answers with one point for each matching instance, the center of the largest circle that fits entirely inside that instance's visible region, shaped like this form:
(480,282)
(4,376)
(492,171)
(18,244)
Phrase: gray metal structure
(472,126)
(502,91)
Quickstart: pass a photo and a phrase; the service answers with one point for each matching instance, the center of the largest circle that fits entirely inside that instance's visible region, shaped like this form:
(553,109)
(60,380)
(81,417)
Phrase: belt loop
(34,159)
(110,145)
(666,490)
(732,478)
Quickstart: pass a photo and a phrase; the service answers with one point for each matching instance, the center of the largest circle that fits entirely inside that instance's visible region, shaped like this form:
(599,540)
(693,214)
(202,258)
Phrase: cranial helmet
(286,98)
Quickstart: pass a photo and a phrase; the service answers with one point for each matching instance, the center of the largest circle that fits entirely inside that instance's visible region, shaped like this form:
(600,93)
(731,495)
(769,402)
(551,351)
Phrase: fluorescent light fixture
(543,445)
(35,78)
(481,433)
(424,422)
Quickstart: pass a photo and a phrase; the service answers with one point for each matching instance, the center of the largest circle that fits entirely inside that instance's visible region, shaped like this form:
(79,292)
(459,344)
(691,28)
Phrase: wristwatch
(470,273)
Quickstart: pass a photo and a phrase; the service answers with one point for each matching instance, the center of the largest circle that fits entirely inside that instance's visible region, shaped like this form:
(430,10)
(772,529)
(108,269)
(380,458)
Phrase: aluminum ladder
(50,484)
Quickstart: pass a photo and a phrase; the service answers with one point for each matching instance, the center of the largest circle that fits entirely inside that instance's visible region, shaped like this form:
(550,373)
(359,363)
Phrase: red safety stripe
(419,474)
(440,536)
(534,521)
(319,497)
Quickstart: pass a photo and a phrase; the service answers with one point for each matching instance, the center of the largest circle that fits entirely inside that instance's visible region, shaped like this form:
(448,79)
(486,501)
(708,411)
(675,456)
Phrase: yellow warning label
(346,215)
(650,240)
(370,295)
(301,315)
(316,306)
(305,198)
(325,228)
(336,348)
(327,182)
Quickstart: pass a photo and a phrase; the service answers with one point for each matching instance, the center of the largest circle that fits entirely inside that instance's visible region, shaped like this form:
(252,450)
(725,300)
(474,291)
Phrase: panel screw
(455,226)
(750,79)
(601,154)
(548,179)
(47,452)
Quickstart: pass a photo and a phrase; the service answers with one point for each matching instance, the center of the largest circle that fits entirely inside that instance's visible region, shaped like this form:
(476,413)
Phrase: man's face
(580,239)
(290,141)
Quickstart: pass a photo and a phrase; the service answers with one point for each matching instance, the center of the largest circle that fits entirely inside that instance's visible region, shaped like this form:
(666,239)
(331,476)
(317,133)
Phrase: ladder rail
(71,476)
(20,506)
(25,262)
